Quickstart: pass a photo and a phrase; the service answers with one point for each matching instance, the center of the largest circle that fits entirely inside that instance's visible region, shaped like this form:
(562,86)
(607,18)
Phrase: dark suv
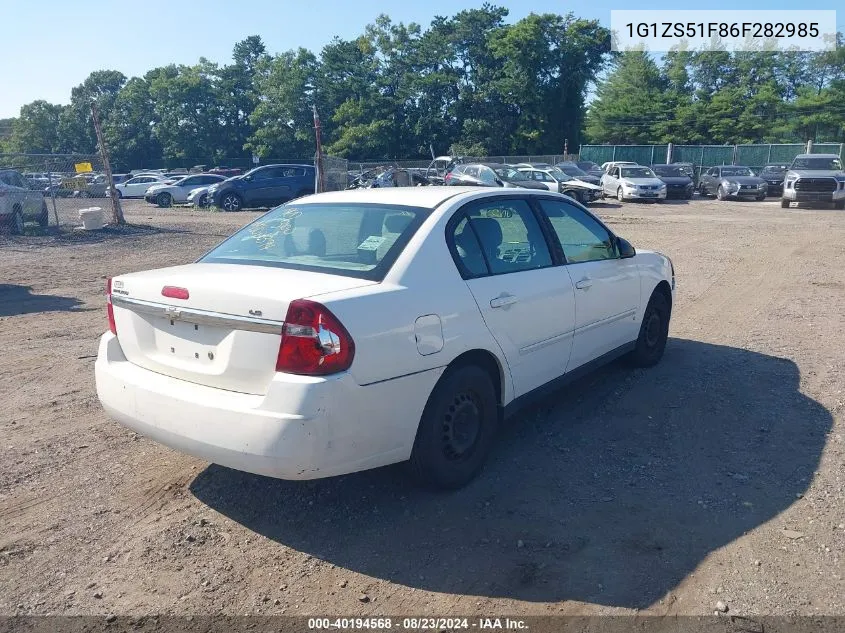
(265,186)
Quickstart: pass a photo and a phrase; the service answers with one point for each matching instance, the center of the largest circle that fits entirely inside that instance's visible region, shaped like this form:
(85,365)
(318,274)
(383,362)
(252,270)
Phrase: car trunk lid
(226,332)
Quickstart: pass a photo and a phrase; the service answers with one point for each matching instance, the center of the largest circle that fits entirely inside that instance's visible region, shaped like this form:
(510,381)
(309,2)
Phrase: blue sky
(50,46)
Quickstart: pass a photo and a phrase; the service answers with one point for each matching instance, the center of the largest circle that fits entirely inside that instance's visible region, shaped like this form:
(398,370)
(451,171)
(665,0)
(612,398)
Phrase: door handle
(503,300)
(584,284)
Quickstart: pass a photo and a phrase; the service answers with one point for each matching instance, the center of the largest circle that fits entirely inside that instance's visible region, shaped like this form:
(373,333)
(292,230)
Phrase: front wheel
(164,199)
(44,216)
(720,193)
(202,203)
(760,198)
(784,203)
(16,228)
(230,202)
(457,429)
(654,331)
(619,195)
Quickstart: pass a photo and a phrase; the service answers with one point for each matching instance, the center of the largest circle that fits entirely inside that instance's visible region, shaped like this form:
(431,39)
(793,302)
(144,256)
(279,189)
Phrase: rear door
(607,288)
(526,300)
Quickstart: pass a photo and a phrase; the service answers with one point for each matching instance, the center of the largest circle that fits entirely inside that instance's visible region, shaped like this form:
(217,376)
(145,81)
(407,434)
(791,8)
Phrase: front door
(526,301)
(607,289)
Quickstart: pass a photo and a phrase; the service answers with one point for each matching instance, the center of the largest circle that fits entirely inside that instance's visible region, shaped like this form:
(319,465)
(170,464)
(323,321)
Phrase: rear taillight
(314,342)
(173,292)
(110,308)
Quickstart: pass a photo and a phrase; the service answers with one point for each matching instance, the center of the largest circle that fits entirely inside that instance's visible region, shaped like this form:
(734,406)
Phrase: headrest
(397,223)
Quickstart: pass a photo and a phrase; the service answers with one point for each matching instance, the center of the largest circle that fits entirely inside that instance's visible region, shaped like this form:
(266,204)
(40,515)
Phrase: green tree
(36,130)
(629,103)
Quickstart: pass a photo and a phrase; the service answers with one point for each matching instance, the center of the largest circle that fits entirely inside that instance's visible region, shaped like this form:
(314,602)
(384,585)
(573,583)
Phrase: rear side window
(356,240)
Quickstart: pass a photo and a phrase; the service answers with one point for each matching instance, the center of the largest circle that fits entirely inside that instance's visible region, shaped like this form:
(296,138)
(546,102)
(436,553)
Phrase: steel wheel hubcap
(461,426)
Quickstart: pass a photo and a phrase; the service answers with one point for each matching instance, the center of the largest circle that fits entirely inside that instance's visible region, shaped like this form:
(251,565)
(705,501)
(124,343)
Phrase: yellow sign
(83,168)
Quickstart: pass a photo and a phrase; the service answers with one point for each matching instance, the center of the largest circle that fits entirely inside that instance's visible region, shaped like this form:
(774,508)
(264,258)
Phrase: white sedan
(349,330)
(137,186)
(633,182)
(166,194)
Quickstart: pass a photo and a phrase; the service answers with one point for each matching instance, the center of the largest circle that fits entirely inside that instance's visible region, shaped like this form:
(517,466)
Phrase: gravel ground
(713,480)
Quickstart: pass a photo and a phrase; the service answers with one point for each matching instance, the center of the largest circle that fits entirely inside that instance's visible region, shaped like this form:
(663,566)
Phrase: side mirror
(626,249)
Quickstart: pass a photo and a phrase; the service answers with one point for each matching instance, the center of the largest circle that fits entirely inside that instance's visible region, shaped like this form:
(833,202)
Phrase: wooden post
(320,184)
(117,210)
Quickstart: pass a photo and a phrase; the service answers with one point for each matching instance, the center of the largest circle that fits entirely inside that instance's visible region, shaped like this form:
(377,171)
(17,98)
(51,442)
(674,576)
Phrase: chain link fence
(40,191)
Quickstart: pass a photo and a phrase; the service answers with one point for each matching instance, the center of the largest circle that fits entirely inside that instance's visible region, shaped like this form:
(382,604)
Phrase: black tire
(654,331)
(457,429)
(619,195)
(702,191)
(164,199)
(839,205)
(16,226)
(720,194)
(760,198)
(231,202)
(202,203)
(784,203)
(44,216)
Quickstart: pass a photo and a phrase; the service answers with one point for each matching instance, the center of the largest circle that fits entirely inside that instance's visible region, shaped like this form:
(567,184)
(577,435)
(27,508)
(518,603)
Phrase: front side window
(356,240)
(582,237)
(508,235)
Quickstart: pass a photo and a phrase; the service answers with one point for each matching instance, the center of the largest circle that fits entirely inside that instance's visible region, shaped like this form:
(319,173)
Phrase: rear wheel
(231,202)
(654,331)
(784,203)
(456,430)
(164,199)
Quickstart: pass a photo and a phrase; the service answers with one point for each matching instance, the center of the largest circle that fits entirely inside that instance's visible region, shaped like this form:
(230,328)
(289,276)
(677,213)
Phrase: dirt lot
(716,476)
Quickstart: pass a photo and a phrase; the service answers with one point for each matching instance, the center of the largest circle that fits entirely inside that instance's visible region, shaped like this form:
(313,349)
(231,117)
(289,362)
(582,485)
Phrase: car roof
(285,165)
(817,156)
(424,197)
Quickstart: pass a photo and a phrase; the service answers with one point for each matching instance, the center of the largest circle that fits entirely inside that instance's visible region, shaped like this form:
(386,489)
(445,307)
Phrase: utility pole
(320,184)
(117,210)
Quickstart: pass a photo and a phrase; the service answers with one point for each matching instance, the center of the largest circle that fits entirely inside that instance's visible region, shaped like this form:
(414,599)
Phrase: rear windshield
(355,240)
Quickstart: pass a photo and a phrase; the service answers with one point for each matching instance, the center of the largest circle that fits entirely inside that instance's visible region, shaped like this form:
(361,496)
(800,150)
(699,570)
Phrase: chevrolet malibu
(349,330)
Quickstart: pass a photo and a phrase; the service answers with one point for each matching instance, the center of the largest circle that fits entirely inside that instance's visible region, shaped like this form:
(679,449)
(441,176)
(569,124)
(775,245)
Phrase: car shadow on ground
(610,491)
(15,299)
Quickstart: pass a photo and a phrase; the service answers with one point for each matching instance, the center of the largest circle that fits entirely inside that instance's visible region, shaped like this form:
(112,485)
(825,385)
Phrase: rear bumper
(302,428)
